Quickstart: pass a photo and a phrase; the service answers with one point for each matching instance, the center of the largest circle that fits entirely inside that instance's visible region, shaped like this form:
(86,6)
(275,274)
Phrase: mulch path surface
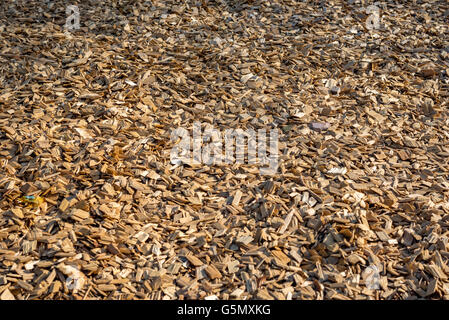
(91,207)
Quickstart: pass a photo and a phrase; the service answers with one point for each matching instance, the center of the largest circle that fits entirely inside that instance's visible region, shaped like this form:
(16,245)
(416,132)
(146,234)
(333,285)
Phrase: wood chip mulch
(92,208)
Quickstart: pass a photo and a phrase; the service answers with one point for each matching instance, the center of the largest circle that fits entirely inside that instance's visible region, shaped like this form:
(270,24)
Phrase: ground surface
(357,210)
